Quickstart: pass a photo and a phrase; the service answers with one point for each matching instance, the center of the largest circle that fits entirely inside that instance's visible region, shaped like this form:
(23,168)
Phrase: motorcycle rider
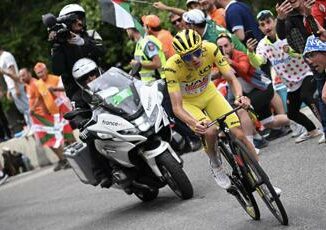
(84,71)
(65,52)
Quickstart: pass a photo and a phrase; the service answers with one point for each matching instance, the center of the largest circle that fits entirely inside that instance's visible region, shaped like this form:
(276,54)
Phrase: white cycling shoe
(221,178)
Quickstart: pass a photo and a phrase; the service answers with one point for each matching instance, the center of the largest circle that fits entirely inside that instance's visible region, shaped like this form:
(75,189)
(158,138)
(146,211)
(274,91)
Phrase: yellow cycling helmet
(186,41)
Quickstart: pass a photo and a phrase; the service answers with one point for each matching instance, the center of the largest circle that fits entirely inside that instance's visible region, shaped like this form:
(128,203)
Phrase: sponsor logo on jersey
(205,70)
(198,84)
(169,70)
(234,122)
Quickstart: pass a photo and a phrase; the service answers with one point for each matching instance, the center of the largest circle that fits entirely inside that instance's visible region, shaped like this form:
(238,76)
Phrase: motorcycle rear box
(78,155)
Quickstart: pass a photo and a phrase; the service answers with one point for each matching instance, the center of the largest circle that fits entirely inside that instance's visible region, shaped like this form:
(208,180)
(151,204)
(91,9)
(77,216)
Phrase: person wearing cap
(148,56)
(195,19)
(55,87)
(217,15)
(57,100)
(152,26)
(15,89)
(315,55)
(256,85)
(291,18)
(294,72)
(51,80)
(40,102)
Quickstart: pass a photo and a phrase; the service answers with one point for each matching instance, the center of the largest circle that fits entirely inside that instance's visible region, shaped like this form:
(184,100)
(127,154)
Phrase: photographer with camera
(71,42)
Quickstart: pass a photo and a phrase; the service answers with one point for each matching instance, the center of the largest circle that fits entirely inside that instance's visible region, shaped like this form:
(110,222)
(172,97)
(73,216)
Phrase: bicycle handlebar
(223,117)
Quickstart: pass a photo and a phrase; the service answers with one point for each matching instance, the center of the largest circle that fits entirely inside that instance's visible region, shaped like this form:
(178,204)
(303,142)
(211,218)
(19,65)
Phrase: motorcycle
(131,130)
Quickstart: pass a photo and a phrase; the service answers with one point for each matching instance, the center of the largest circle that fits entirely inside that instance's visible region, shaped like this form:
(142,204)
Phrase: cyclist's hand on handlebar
(242,101)
(201,127)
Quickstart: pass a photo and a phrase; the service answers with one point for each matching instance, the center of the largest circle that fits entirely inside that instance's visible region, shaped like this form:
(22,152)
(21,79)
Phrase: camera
(61,25)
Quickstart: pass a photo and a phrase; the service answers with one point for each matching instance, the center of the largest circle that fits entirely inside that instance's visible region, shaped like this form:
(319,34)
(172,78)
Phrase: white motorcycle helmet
(71,8)
(83,69)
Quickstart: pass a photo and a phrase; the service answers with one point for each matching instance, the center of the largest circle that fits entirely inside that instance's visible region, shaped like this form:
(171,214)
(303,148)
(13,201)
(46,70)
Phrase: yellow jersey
(190,81)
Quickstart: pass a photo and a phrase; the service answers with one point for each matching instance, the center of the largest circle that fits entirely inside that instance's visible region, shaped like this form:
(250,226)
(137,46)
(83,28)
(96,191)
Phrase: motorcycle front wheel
(174,175)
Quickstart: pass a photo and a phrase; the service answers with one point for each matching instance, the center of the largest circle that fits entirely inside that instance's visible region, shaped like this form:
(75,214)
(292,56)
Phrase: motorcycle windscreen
(118,91)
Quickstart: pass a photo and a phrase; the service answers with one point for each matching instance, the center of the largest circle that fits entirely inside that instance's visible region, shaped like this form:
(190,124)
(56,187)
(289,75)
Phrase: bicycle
(246,175)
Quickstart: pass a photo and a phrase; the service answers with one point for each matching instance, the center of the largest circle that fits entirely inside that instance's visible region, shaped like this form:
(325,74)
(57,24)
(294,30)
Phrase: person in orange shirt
(216,14)
(53,92)
(39,114)
(152,25)
(55,86)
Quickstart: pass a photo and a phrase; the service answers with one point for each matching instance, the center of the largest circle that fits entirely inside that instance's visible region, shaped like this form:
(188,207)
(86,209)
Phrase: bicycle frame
(234,159)
(242,176)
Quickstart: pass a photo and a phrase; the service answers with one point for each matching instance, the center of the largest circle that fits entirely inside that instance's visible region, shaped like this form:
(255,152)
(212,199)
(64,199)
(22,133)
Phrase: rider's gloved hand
(242,101)
(76,39)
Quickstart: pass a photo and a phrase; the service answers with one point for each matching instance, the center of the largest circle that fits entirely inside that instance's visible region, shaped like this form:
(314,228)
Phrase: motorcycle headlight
(144,123)
(129,131)
(104,135)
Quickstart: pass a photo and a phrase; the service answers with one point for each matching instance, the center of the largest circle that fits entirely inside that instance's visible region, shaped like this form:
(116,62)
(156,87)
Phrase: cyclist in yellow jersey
(194,97)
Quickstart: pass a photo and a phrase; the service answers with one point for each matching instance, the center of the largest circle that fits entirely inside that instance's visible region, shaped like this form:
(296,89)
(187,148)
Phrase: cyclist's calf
(210,139)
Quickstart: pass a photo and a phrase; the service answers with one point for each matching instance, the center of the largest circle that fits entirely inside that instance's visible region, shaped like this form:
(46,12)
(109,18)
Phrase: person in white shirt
(15,89)
(292,69)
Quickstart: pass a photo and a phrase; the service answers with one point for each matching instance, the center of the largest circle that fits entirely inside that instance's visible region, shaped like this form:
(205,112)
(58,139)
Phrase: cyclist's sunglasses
(188,57)
(264,14)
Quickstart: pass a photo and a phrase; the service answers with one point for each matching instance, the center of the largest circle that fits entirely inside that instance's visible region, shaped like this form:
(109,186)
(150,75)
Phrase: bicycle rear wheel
(259,181)
(243,196)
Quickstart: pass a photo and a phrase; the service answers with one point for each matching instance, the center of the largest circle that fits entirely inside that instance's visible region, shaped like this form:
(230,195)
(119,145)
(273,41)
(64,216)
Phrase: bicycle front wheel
(243,196)
(259,181)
